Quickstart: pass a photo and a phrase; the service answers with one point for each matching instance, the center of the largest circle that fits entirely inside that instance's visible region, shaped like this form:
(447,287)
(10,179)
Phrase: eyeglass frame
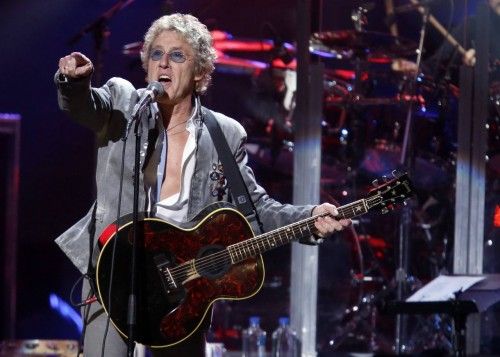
(160,53)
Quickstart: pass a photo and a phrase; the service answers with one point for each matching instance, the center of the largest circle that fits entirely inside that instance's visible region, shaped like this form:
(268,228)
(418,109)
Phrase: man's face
(495,6)
(171,62)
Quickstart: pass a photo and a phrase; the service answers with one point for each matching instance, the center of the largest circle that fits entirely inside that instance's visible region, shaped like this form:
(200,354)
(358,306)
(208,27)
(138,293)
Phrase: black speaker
(10,132)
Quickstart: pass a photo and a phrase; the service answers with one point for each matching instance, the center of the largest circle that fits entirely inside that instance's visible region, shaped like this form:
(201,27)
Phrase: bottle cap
(284,321)
(254,320)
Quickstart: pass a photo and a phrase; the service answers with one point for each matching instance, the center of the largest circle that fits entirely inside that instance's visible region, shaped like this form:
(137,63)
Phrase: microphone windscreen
(156,88)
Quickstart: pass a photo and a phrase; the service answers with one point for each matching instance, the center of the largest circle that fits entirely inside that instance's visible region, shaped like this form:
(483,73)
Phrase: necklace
(176,132)
(176,125)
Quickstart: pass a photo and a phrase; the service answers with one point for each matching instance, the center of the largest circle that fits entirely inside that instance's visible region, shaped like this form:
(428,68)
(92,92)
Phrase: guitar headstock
(390,193)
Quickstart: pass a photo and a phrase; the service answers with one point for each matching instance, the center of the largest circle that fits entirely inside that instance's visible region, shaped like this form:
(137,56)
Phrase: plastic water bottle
(254,339)
(285,340)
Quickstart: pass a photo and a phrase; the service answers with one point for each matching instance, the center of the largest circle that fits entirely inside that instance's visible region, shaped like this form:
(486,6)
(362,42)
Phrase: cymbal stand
(363,314)
(407,161)
(100,32)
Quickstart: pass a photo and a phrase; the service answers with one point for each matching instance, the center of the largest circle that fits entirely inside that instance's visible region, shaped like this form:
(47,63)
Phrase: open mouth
(164,79)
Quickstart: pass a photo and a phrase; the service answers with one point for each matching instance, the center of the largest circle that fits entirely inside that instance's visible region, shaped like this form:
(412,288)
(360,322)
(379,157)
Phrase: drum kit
(364,108)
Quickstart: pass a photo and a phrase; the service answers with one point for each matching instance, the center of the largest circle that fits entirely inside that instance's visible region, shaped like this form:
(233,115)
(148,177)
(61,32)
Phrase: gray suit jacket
(106,111)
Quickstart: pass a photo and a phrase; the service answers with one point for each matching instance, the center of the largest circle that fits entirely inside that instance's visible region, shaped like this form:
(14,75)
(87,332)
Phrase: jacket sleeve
(272,213)
(103,110)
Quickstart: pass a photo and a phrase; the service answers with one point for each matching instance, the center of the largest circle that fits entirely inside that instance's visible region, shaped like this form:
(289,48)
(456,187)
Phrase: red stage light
(496,217)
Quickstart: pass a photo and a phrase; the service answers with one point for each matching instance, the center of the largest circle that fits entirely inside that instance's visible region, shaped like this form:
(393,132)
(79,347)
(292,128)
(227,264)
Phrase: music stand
(476,298)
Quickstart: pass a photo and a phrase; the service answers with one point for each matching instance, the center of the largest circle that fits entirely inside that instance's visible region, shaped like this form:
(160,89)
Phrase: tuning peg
(375,183)
(395,173)
(384,210)
(385,178)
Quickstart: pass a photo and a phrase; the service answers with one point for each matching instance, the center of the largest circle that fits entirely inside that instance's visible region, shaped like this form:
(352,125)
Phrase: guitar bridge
(162,264)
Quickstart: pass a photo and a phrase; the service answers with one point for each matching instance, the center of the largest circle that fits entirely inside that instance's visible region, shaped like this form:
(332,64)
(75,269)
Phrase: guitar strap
(239,190)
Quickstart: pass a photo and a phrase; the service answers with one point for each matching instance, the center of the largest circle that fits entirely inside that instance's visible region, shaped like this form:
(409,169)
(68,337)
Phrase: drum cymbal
(224,62)
(224,43)
(236,65)
(364,44)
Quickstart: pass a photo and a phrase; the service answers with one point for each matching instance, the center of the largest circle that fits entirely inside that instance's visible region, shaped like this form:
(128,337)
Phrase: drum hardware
(100,33)
(340,92)
(346,314)
(358,15)
(368,46)
(356,316)
(352,95)
(440,28)
(360,321)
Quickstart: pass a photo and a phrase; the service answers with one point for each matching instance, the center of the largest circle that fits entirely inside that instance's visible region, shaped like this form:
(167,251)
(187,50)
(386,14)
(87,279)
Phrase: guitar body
(183,270)
(167,316)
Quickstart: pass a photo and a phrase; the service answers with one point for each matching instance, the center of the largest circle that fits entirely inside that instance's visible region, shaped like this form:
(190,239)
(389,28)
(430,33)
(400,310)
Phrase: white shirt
(175,207)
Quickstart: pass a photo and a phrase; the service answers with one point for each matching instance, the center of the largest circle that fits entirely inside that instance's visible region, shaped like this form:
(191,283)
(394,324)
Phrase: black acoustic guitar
(183,270)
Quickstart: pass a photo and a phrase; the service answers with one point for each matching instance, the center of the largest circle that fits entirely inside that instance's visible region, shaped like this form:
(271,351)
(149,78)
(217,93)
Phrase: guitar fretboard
(279,237)
(387,194)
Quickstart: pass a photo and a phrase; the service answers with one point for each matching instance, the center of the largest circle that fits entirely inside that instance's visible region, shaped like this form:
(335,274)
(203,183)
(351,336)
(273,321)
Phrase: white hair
(195,33)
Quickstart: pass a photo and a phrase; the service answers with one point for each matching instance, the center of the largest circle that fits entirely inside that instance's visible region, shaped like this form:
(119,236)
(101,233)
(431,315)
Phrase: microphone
(152,92)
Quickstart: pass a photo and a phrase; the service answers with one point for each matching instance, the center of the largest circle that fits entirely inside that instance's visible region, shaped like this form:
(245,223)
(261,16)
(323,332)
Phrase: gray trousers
(116,346)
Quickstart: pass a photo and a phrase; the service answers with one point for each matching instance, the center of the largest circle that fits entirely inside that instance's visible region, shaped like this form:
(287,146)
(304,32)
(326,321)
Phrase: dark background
(57,156)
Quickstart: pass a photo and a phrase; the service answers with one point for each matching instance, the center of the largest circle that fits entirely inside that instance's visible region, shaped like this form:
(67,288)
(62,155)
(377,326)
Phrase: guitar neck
(279,237)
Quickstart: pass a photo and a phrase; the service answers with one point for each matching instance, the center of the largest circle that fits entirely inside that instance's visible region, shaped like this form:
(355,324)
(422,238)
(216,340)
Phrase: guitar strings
(242,247)
(251,244)
(217,258)
(346,211)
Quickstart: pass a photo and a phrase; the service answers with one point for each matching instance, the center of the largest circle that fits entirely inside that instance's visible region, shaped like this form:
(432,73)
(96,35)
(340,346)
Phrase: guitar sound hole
(213,261)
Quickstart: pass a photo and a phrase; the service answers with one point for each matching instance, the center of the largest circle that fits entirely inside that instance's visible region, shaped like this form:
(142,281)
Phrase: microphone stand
(407,160)
(100,32)
(136,242)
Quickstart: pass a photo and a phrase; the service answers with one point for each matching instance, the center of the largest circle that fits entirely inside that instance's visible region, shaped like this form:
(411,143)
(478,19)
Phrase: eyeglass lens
(174,56)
